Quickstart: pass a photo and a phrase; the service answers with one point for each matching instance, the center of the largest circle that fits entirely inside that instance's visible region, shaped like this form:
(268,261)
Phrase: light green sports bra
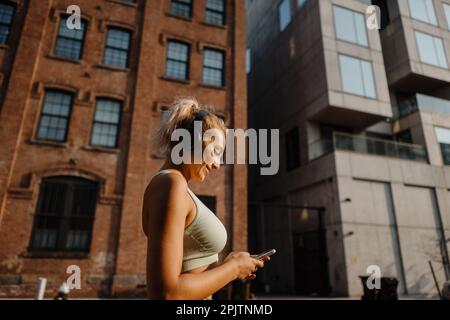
(204,238)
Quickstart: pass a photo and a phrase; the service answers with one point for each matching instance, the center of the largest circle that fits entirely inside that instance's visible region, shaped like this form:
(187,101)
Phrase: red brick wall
(118,249)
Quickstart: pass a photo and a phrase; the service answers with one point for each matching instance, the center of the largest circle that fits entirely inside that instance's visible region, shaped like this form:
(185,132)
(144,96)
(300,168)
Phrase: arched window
(64,215)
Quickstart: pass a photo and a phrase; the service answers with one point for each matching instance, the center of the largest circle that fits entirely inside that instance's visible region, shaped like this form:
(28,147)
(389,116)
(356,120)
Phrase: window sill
(357,95)
(47,143)
(220,26)
(170,14)
(434,66)
(4,46)
(20,193)
(101,149)
(425,22)
(156,156)
(128,4)
(112,68)
(53,57)
(365,46)
(175,80)
(55,255)
(211,86)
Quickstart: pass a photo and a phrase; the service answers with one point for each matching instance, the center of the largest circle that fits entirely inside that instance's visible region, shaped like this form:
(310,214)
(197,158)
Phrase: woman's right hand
(245,264)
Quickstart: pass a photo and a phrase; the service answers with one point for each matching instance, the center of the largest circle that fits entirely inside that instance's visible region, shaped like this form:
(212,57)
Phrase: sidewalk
(294,297)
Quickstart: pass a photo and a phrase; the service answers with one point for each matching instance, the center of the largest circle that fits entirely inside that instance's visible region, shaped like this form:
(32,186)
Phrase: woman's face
(213,148)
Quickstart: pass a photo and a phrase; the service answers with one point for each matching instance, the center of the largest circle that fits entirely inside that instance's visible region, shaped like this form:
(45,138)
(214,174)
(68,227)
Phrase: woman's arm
(167,208)
(238,265)
(196,286)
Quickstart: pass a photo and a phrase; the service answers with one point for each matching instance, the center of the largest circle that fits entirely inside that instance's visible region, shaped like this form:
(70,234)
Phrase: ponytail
(181,114)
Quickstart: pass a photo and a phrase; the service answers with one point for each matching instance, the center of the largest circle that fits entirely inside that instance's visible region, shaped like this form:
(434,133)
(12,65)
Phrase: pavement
(295,297)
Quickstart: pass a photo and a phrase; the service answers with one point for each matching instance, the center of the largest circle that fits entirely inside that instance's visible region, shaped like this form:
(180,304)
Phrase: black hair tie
(201,114)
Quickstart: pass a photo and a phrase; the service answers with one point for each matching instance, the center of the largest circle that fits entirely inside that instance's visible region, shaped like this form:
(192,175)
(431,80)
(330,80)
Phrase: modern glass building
(365,124)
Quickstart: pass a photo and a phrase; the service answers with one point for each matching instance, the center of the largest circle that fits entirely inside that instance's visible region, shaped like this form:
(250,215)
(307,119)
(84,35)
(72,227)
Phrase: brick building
(77,113)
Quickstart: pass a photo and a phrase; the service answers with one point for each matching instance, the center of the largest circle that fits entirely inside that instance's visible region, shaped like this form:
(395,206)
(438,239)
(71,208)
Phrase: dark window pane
(404,136)
(217,5)
(55,116)
(178,51)
(64,215)
(209,202)
(4,33)
(213,67)
(284,14)
(119,39)
(177,60)
(214,18)
(116,58)
(117,48)
(182,8)
(76,34)
(214,59)
(292,149)
(176,69)
(68,49)
(6,18)
(6,13)
(445,153)
(215,12)
(212,77)
(105,130)
(69,43)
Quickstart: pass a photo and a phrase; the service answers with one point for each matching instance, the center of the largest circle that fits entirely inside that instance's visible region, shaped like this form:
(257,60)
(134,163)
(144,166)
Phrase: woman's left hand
(253,275)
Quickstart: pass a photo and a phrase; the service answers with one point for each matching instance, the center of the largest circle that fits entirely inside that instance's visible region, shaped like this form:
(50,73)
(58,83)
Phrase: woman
(184,236)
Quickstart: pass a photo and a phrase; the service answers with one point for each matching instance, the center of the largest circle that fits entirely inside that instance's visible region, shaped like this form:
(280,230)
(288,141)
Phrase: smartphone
(266,254)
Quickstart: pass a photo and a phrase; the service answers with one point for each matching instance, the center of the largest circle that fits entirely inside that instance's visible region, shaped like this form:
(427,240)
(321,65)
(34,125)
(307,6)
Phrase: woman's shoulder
(168,180)
(164,189)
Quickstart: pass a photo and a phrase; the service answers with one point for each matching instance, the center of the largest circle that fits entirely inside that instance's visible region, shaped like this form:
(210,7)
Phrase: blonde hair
(181,115)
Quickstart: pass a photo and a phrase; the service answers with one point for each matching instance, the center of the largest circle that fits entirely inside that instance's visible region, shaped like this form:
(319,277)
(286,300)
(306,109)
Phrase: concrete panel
(370,217)
(370,167)
(418,236)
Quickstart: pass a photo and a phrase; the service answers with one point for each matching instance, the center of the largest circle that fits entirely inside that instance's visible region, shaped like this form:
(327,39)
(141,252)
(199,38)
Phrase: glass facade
(350,26)
(284,14)
(431,50)
(357,76)
(423,10)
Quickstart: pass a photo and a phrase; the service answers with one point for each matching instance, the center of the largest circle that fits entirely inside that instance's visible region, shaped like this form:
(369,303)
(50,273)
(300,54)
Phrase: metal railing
(367,145)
